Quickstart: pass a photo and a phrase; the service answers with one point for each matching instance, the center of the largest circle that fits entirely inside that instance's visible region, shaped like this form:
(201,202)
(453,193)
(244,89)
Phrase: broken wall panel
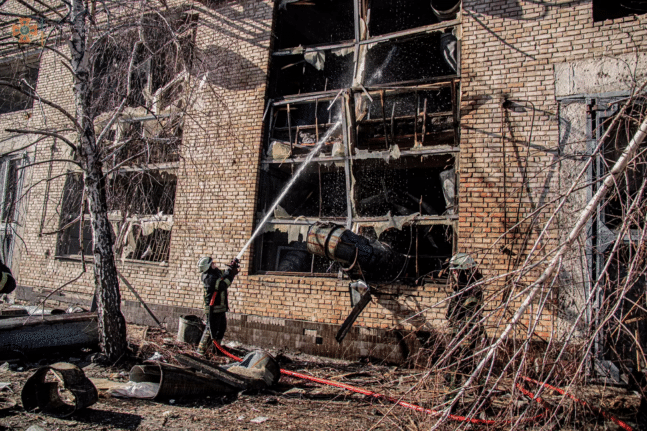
(412,59)
(313,22)
(387,16)
(401,187)
(312,72)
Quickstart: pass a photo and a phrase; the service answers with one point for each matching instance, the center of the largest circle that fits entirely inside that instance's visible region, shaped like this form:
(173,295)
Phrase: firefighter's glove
(234,267)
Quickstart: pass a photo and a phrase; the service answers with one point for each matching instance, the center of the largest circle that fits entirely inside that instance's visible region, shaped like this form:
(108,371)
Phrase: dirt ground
(291,405)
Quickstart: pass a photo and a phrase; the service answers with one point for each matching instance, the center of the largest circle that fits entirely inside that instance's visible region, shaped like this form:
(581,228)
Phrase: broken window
(387,16)
(140,209)
(404,186)
(75,229)
(159,58)
(381,108)
(628,186)
(408,119)
(608,9)
(20,72)
(10,183)
(144,143)
(313,22)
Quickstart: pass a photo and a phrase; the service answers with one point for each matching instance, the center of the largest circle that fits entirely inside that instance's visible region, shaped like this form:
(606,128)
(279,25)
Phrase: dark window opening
(9,176)
(413,59)
(147,141)
(140,206)
(72,238)
(313,22)
(320,191)
(142,192)
(388,16)
(608,9)
(312,72)
(23,73)
(402,187)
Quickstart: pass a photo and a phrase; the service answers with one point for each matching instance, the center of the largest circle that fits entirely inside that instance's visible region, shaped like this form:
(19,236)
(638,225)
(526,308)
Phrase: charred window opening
(282,251)
(20,72)
(629,184)
(376,83)
(162,56)
(140,205)
(413,59)
(320,191)
(426,246)
(608,9)
(9,185)
(387,16)
(297,127)
(314,22)
(402,187)
(147,141)
(406,119)
(71,237)
(312,72)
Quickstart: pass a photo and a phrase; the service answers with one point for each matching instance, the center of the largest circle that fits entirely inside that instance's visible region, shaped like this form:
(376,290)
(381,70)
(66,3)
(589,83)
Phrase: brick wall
(509,51)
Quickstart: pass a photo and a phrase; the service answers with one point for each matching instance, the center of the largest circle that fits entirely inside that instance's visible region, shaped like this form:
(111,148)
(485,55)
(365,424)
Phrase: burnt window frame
(360,86)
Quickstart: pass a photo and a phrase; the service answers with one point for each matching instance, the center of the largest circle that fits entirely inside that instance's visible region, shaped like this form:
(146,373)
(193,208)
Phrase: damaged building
(439,127)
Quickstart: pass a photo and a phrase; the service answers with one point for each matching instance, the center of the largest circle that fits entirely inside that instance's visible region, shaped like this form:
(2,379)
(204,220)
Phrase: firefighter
(216,305)
(463,312)
(7,282)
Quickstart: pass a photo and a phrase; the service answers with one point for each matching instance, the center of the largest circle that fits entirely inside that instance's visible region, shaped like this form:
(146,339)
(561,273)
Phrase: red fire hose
(598,410)
(436,413)
(376,395)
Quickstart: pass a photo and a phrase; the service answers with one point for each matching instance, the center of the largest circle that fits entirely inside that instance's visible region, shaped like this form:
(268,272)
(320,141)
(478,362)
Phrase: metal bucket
(190,329)
(445,9)
(323,239)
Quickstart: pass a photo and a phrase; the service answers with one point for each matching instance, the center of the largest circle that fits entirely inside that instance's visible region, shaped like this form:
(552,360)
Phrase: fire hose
(437,413)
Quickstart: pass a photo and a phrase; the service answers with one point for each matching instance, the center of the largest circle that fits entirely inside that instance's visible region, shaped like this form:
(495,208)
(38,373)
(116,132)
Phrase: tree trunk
(112,325)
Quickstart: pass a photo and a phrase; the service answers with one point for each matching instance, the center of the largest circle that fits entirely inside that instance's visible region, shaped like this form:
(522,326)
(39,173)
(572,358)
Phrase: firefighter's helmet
(204,263)
(462,261)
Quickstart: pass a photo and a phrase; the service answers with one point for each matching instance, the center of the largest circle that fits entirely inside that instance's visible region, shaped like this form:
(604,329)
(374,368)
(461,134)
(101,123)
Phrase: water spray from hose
(289,185)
